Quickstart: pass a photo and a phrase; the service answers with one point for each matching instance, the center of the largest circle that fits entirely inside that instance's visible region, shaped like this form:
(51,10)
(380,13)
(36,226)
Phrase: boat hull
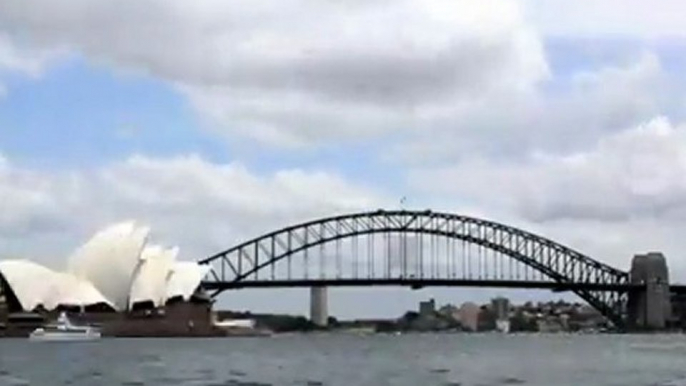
(64,337)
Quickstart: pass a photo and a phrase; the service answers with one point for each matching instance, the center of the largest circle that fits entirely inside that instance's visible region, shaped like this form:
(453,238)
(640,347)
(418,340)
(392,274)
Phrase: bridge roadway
(421,283)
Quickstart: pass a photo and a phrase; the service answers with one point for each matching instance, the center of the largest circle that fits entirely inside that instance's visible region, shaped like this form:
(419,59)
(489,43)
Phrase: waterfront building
(678,310)
(469,316)
(501,308)
(450,312)
(550,324)
(427,308)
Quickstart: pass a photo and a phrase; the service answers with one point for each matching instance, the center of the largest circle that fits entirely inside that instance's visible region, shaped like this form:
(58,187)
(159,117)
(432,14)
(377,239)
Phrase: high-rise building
(501,308)
(427,308)
(469,316)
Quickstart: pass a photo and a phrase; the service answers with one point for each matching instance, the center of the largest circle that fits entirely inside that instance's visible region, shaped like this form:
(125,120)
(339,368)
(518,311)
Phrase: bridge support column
(319,311)
(650,307)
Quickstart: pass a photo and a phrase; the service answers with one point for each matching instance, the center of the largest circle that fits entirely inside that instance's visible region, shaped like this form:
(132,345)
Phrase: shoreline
(264,334)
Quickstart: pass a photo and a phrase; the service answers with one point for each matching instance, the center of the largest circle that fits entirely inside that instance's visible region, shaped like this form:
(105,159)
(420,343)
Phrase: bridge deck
(418,283)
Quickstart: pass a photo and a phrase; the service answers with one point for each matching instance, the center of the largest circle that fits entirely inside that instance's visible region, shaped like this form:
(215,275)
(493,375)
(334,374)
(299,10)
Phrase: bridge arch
(593,281)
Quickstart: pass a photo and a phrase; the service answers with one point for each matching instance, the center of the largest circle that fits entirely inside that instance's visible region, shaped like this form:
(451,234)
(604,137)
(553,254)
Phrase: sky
(215,121)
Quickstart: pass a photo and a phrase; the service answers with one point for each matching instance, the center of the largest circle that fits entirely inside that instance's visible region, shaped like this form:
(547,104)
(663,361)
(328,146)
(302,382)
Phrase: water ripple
(408,360)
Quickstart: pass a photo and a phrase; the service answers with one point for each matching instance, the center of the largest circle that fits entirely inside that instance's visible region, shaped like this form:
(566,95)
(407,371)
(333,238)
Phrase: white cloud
(223,204)
(26,201)
(203,206)
(436,78)
(571,116)
(21,60)
(636,173)
(298,72)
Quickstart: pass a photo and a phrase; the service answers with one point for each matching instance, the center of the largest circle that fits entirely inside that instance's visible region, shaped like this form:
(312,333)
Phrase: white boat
(64,330)
(503,326)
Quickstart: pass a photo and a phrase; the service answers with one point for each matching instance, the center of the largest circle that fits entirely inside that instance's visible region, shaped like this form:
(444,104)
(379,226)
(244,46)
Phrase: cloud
(567,115)
(15,59)
(202,206)
(20,59)
(301,72)
(433,79)
(224,204)
(26,201)
(636,173)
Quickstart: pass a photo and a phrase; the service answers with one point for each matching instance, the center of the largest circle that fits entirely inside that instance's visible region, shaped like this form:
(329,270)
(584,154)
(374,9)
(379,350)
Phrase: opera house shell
(116,270)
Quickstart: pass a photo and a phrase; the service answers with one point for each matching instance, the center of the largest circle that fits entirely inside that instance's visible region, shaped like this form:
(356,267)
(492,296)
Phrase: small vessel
(64,330)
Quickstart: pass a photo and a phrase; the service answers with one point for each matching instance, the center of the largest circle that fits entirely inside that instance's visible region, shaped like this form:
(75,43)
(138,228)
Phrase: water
(339,359)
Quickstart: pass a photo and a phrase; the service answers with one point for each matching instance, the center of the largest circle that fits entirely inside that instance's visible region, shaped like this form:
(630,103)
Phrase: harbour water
(341,359)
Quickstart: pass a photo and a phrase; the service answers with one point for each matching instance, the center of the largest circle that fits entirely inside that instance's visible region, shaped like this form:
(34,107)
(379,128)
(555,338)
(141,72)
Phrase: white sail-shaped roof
(185,279)
(31,283)
(72,291)
(110,259)
(150,283)
(114,268)
(35,285)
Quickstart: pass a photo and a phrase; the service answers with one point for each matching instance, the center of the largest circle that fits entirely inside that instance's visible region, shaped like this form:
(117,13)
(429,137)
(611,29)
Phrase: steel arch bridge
(416,249)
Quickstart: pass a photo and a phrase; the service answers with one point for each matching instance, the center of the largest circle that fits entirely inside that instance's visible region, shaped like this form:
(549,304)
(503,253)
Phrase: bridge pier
(319,310)
(649,308)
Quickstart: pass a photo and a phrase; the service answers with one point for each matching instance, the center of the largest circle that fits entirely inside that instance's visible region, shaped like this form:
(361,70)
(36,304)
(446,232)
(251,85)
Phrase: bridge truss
(416,249)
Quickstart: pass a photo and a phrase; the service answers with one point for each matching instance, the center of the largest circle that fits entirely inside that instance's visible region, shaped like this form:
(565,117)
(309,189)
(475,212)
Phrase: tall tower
(319,312)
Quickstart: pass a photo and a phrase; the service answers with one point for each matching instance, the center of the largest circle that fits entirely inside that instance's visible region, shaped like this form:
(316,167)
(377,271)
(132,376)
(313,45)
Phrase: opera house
(117,280)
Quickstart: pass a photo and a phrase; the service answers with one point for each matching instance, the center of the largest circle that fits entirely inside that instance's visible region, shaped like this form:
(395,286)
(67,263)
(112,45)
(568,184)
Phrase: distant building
(501,308)
(550,324)
(469,316)
(564,322)
(501,311)
(427,308)
(679,310)
(450,312)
